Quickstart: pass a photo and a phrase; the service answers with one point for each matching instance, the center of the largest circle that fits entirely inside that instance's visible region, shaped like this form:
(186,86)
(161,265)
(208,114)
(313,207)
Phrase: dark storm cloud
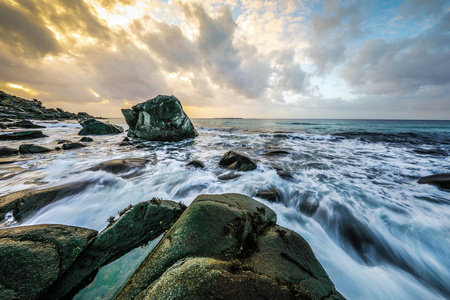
(24,34)
(67,17)
(404,66)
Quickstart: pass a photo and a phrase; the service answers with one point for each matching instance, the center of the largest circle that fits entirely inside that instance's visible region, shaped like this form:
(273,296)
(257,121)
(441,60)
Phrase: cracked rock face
(159,119)
(32,257)
(229,247)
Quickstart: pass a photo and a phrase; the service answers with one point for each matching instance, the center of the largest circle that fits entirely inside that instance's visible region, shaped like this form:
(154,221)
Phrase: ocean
(349,187)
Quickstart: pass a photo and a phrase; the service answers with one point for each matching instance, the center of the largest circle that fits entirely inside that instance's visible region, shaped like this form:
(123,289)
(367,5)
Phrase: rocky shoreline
(226,246)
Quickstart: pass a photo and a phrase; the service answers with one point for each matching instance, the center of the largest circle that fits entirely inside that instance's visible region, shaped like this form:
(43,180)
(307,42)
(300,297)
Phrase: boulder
(196,164)
(159,119)
(33,257)
(86,139)
(25,124)
(69,146)
(136,226)
(440,180)
(228,247)
(5,151)
(94,127)
(22,135)
(236,161)
(128,167)
(25,203)
(30,148)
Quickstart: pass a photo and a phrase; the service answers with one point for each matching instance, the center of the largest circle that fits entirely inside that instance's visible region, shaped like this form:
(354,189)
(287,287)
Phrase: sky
(230,58)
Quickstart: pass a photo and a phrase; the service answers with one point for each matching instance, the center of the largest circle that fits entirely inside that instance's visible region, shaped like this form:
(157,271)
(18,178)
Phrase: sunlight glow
(94,93)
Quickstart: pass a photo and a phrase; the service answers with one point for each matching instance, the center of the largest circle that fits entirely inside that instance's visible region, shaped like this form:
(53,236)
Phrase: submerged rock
(196,164)
(271,195)
(30,148)
(136,226)
(236,161)
(86,139)
(33,257)
(69,146)
(5,151)
(22,135)
(159,119)
(94,127)
(129,167)
(24,203)
(228,246)
(25,124)
(440,180)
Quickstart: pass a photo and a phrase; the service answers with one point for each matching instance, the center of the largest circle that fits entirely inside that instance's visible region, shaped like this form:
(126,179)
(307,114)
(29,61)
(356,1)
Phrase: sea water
(349,187)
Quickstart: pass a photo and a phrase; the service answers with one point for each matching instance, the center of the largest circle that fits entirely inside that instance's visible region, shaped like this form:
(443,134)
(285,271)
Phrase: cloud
(24,35)
(405,66)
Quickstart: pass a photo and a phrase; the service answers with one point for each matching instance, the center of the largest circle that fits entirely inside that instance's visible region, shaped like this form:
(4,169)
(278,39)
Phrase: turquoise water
(349,187)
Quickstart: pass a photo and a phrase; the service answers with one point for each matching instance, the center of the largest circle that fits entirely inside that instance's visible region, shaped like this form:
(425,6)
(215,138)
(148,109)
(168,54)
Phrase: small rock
(22,135)
(228,176)
(30,148)
(129,167)
(271,195)
(5,151)
(196,164)
(440,180)
(235,161)
(285,175)
(276,153)
(94,127)
(68,146)
(86,139)
(63,141)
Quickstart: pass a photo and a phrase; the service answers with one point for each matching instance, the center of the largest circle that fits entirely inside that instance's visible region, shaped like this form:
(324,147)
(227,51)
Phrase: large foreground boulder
(136,226)
(440,180)
(94,127)
(228,247)
(159,119)
(33,257)
(236,161)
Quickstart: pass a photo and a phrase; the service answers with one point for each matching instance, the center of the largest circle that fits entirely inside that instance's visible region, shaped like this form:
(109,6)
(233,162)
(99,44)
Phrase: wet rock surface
(22,135)
(440,180)
(25,124)
(236,161)
(30,148)
(196,164)
(95,127)
(6,151)
(24,203)
(70,146)
(32,257)
(126,167)
(228,247)
(135,226)
(159,119)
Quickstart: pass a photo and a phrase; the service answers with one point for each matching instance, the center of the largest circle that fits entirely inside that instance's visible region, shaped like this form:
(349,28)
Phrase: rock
(5,151)
(228,247)
(440,180)
(285,175)
(24,203)
(22,135)
(235,161)
(196,164)
(2,126)
(69,146)
(33,257)
(276,153)
(129,167)
(25,124)
(94,127)
(271,195)
(63,141)
(228,176)
(86,139)
(30,148)
(12,107)
(136,226)
(159,119)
